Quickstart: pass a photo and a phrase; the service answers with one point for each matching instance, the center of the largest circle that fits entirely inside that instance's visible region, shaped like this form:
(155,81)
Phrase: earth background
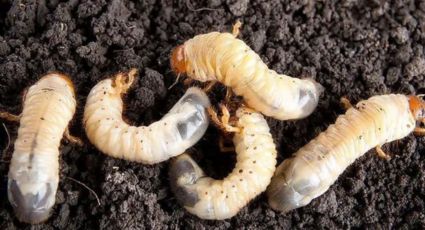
(353,48)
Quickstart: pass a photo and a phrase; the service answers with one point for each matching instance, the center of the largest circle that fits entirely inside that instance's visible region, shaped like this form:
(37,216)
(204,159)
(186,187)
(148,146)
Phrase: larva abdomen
(317,165)
(221,199)
(34,169)
(224,58)
(178,130)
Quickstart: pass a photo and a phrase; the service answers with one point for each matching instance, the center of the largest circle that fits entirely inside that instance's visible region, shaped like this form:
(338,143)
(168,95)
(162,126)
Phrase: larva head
(31,201)
(417,107)
(178,60)
(309,94)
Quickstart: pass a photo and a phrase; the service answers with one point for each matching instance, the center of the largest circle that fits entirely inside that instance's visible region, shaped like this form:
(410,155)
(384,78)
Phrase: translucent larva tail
(309,96)
(31,206)
(282,194)
(283,198)
(184,173)
(193,125)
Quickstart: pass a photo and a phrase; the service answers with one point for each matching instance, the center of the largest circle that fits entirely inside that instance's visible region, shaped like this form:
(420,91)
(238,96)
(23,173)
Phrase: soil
(354,48)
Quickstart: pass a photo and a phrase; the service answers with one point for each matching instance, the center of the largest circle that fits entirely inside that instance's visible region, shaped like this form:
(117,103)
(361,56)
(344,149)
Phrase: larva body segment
(49,105)
(221,199)
(317,165)
(178,130)
(222,57)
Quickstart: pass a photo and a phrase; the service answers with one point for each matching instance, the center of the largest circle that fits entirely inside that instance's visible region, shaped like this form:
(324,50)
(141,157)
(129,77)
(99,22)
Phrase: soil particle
(353,48)
(401,35)
(415,68)
(115,27)
(258,40)
(393,75)
(93,53)
(238,7)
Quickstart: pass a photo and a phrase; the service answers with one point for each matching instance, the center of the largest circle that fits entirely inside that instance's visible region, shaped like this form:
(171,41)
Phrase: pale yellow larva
(49,105)
(221,199)
(178,130)
(222,57)
(316,166)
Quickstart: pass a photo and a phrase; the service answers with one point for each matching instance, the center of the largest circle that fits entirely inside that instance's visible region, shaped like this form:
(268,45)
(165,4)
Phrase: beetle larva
(316,166)
(220,199)
(49,105)
(178,130)
(222,57)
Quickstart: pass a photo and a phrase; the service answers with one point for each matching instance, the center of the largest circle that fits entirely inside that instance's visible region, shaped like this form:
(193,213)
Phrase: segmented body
(220,199)
(222,57)
(34,169)
(316,166)
(178,130)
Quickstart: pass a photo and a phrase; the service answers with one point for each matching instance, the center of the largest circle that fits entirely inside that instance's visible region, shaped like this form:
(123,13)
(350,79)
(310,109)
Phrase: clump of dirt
(353,48)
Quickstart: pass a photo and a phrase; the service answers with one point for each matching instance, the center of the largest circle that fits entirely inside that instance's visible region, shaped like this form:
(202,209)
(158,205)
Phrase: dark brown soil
(354,48)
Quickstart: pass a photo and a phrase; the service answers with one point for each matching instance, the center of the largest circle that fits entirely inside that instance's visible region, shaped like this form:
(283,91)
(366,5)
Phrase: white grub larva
(221,199)
(49,105)
(222,57)
(178,130)
(316,166)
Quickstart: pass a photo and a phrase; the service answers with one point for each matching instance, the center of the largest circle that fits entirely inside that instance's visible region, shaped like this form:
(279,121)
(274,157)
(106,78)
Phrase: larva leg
(228,96)
(10,117)
(419,131)
(236,28)
(72,139)
(381,153)
(214,117)
(224,122)
(209,86)
(346,104)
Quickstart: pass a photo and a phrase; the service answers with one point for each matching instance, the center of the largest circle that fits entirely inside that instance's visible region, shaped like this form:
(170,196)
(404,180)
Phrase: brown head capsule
(417,107)
(178,61)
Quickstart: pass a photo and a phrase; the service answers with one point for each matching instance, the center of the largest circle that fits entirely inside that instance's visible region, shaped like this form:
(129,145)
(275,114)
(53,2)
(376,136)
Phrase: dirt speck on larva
(353,48)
